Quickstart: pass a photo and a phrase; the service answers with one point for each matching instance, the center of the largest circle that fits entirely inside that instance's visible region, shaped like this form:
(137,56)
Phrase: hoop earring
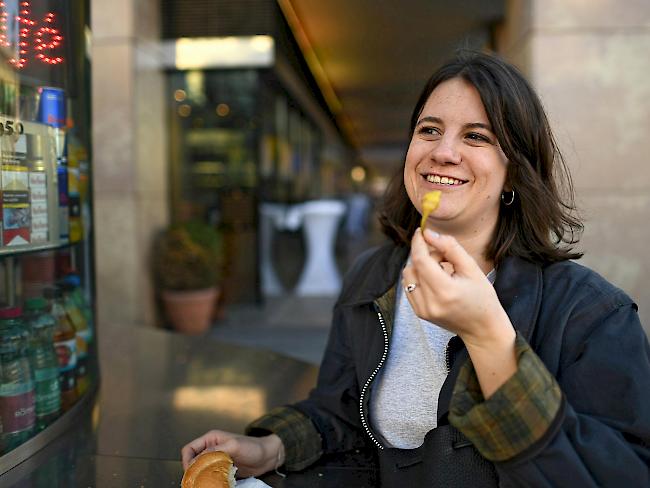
(512,197)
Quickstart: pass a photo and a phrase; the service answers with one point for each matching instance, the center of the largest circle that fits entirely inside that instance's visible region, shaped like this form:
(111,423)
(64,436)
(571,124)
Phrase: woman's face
(454,150)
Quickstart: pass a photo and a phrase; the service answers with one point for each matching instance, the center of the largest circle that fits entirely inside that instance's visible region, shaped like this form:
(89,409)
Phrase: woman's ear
(507,185)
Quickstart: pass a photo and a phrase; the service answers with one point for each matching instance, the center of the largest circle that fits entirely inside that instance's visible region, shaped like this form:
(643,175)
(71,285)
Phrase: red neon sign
(41,43)
(44,40)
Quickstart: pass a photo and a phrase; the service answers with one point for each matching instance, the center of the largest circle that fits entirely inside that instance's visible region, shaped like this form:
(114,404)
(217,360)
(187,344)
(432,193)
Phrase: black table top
(158,391)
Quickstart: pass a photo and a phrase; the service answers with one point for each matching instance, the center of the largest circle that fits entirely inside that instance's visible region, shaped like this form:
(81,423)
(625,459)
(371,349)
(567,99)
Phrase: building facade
(587,62)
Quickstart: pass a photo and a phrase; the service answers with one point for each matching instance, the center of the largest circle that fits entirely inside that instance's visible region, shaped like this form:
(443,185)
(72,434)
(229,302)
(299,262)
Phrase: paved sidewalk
(294,326)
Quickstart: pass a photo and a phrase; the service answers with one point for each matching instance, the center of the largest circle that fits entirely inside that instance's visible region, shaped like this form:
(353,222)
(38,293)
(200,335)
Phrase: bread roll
(212,469)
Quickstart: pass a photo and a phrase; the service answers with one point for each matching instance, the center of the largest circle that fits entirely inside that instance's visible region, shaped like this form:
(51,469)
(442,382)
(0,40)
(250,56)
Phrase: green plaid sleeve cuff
(302,442)
(516,416)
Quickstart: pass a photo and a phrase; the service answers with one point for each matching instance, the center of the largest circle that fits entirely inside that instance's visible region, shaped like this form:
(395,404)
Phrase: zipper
(364,391)
(448,357)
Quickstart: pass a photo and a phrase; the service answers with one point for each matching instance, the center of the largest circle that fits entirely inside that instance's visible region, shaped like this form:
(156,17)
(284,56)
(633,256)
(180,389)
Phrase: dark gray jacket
(585,330)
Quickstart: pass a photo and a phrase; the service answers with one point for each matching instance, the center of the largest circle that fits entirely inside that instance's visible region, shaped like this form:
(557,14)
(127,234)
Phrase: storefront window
(238,139)
(47,358)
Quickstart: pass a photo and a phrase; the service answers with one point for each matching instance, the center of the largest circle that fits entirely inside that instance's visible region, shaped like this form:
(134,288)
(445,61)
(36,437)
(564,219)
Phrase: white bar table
(271,218)
(320,221)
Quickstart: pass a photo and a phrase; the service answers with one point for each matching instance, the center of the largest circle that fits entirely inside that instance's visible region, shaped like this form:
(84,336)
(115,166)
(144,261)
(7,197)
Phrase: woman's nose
(445,152)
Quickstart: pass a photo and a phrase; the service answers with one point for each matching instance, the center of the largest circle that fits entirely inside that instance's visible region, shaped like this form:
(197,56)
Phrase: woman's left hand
(451,290)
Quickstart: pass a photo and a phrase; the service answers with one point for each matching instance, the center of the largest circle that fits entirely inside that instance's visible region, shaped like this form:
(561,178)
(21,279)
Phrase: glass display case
(47,354)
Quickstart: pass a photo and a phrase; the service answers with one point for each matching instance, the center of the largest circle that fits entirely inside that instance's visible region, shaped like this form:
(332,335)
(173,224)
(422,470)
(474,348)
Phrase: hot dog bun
(212,469)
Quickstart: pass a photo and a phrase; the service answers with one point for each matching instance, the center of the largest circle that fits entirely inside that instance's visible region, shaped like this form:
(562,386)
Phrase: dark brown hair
(541,224)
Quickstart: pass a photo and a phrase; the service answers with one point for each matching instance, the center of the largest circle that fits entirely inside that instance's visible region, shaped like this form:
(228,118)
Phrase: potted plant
(187,261)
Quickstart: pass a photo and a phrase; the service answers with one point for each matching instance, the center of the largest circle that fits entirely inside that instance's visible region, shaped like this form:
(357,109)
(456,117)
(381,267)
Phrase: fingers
(430,263)
(190,451)
(417,291)
(435,274)
(451,251)
(423,260)
(450,288)
(197,446)
(409,280)
(231,446)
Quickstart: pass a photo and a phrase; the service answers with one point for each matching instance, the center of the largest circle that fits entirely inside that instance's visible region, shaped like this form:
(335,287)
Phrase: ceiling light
(223,109)
(180,95)
(223,52)
(184,110)
(358,174)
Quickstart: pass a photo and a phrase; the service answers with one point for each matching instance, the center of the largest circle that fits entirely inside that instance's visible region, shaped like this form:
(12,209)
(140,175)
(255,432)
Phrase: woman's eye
(476,137)
(429,131)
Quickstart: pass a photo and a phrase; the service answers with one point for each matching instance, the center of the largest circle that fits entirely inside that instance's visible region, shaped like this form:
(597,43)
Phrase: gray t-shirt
(404,401)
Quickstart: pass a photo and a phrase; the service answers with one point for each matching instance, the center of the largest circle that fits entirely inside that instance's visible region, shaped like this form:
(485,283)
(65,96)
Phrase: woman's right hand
(252,456)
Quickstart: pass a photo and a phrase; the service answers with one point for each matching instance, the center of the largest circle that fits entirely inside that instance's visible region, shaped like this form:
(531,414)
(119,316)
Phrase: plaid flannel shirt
(517,415)
(302,442)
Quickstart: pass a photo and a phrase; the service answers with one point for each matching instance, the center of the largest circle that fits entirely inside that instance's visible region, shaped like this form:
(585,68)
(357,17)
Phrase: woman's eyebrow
(478,125)
(469,125)
(429,118)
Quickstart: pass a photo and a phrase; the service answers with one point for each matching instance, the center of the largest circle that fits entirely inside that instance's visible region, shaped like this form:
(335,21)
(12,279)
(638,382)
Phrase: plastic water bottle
(44,362)
(17,396)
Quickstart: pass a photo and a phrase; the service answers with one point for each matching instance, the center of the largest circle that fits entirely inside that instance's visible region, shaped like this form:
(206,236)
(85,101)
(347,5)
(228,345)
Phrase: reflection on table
(159,390)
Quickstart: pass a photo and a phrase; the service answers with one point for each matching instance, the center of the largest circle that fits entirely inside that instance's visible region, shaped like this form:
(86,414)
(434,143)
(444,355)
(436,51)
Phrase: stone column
(589,62)
(129,160)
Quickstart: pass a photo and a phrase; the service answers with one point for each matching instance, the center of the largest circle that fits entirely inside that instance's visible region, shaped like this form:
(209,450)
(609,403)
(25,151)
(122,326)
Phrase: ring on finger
(410,287)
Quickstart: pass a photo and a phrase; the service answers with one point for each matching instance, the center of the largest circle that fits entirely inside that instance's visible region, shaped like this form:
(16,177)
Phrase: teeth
(445,180)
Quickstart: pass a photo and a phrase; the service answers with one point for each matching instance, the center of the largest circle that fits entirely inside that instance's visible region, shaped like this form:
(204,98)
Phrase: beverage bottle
(44,361)
(73,281)
(52,110)
(64,200)
(17,398)
(78,321)
(38,188)
(74,197)
(65,344)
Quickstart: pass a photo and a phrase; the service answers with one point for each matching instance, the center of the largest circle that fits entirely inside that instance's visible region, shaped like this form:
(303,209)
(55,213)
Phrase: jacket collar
(518,285)
(377,275)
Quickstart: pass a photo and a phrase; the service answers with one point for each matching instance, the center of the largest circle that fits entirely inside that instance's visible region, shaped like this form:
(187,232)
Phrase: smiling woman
(454,150)
(507,121)
(474,352)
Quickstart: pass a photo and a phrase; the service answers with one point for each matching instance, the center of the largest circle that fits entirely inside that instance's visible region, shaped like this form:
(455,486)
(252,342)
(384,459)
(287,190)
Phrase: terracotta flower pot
(190,312)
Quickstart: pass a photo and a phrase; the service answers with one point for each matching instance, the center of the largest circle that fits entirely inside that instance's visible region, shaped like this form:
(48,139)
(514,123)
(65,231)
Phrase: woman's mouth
(443,180)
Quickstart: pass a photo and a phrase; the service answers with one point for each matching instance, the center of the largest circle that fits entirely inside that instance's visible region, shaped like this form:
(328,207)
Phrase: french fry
(430,203)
